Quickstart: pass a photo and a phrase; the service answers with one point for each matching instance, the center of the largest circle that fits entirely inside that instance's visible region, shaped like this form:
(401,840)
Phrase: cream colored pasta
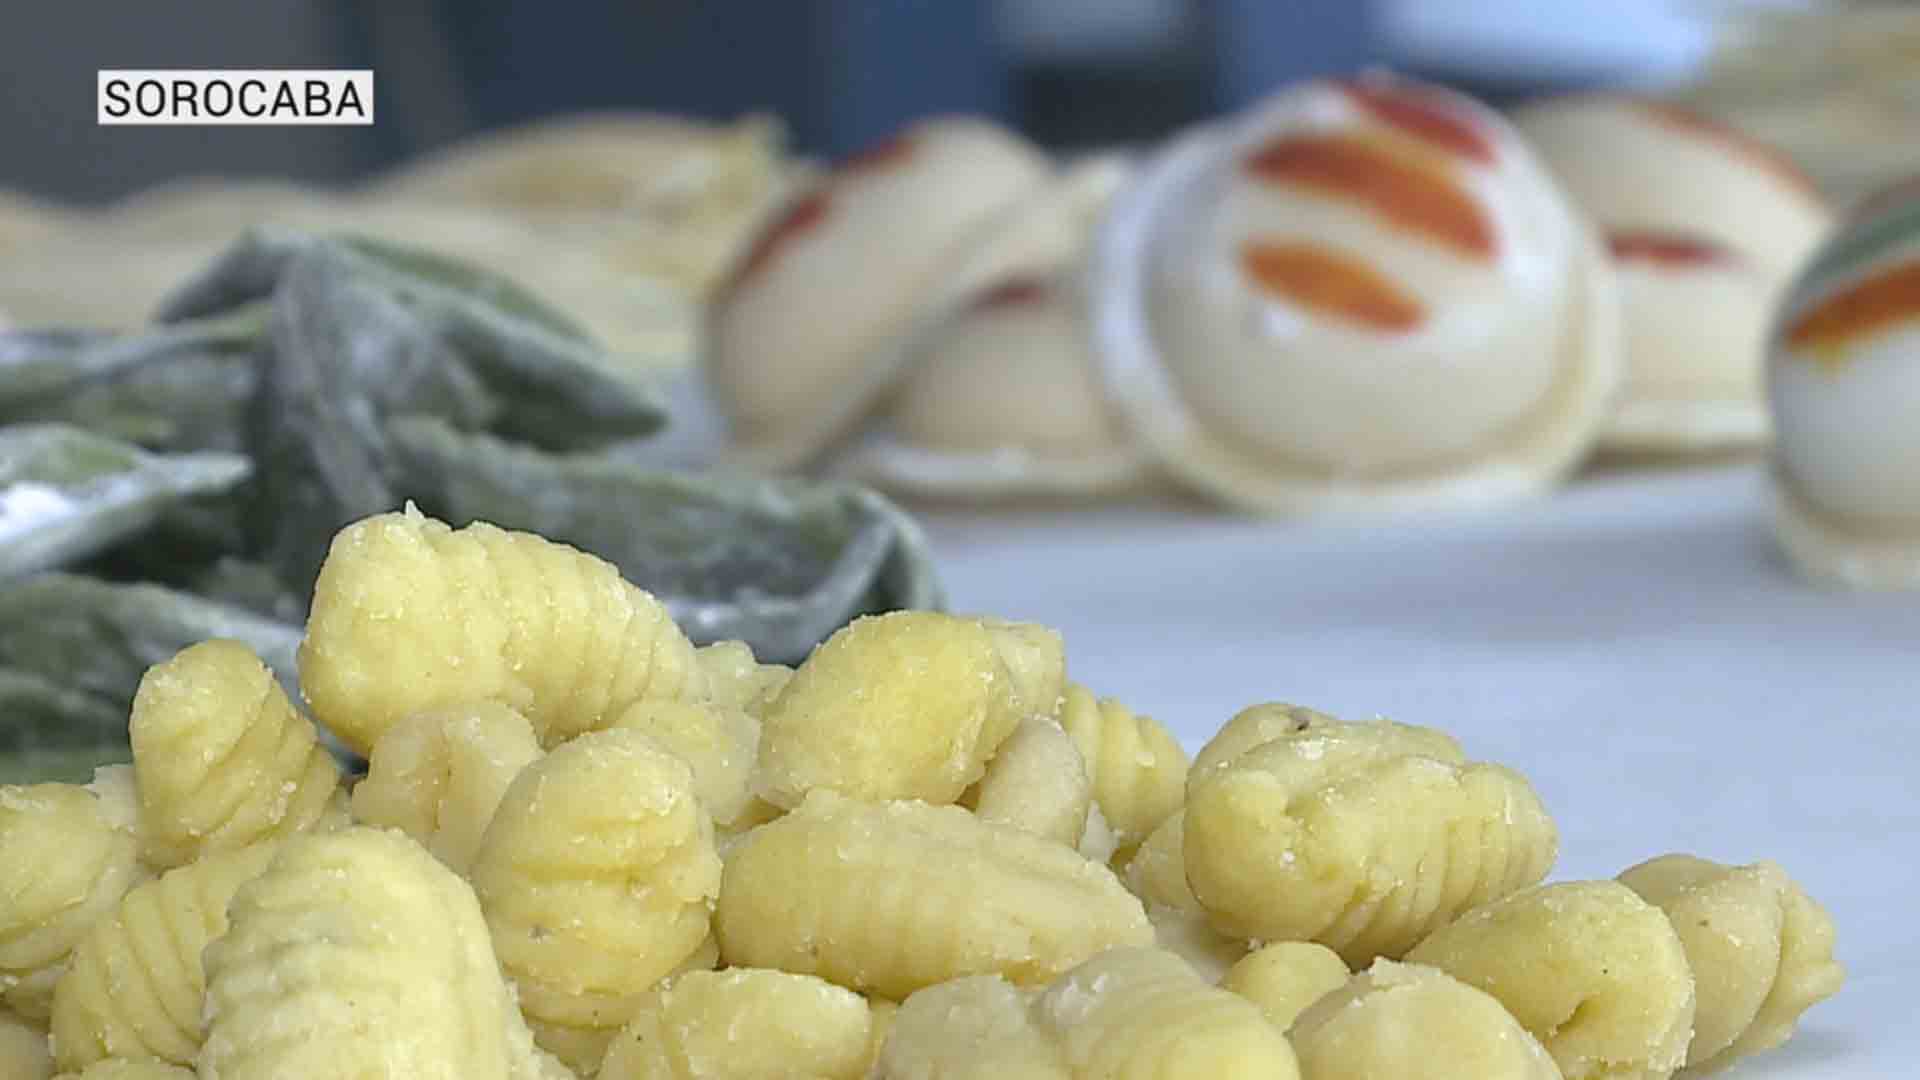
(1615,1002)
(24,1052)
(410,615)
(1036,660)
(221,758)
(1395,1021)
(1760,948)
(744,1024)
(70,855)
(1139,769)
(1286,977)
(738,681)
(1268,721)
(438,776)
(1362,837)
(894,897)
(1037,782)
(718,743)
(597,876)
(1157,874)
(909,705)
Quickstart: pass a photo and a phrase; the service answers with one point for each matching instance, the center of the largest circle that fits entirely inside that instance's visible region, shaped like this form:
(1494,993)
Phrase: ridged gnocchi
(717,742)
(1760,948)
(1360,836)
(1590,969)
(410,615)
(744,1024)
(1262,723)
(135,985)
(24,1052)
(908,705)
(890,898)
(1139,769)
(1286,977)
(221,758)
(1395,1021)
(597,876)
(439,775)
(70,854)
(1037,782)
(736,680)
(357,953)
(1133,1013)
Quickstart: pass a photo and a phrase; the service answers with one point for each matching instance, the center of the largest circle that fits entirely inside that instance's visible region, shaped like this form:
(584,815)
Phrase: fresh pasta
(744,1024)
(1394,1021)
(438,776)
(736,680)
(1286,977)
(1139,769)
(1037,782)
(717,742)
(24,1052)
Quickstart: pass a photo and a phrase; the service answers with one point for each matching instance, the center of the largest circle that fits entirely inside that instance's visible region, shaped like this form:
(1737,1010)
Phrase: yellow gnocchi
(411,615)
(1360,836)
(1037,782)
(439,775)
(1036,662)
(736,680)
(70,854)
(117,1069)
(1760,948)
(909,705)
(1265,722)
(1139,769)
(717,742)
(357,953)
(1394,1021)
(1286,977)
(597,876)
(1157,874)
(890,898)
(24,1052)
(1590,969)
(221,758)
(744,1024)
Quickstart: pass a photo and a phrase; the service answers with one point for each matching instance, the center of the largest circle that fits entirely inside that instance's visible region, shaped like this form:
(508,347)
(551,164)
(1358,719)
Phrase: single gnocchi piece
(1265,722)
(1760,948)
(717,742)
(411,615)
(890,898)
(744,1024)
(1037,782)
(907,705)
(70,854)
(597,876)
(24,1052)
(736,680)
(117,1069)
(1036,660)
(1139,769)
(1157,874)
(222,759)
(358,953)
(1394,1021)
(1360,836)
(439,775)
(1286,977)
(1590,969)
(135,986)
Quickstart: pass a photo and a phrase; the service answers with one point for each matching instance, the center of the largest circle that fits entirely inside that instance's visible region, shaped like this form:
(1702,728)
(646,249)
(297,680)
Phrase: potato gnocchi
(1286,977)
(24,1052)
(717,742)
(439,775)
(736,680)
(1139,769)
(1037,783)
(744,1024)
(1394,1021)
(130,1070)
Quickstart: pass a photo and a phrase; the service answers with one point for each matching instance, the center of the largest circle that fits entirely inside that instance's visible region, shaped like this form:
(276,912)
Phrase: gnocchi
(736,680)
(1268,721)
(891,898)
(439,775)
(1139,769)
(1761,951)
(1037,782)
(1157,874)
(220,757)
(410,614)
(1286,977)
(718,743)
(117,1069)
(1616,1000)
(1400,1020)
(597,876)
(24,1052)
(1360,836)
(696,1028)
(1036,662)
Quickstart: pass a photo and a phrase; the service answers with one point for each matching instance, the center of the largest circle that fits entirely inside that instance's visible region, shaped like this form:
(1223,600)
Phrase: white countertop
(1634,645)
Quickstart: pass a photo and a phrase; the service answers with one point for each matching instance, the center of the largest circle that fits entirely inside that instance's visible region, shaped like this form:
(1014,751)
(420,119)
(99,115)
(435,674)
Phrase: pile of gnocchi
(585,847)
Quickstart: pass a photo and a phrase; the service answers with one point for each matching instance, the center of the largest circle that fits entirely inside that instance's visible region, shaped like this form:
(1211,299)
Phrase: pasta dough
(1761,951)
(716,742)
(896,897)
(1360,836)
(597,877)
(744,1024)
(438,776)
(410,615)
(1591,970)
(1139,769)
(1037,782)
(221,758)
(1394,1021)
(1287,977)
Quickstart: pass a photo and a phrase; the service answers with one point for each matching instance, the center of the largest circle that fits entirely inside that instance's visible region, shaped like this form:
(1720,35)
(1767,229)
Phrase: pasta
(358,954)
(70,855)
(892,898)
(1399,1020)
(736,680)
(1266,722)
(135,985)
(1286,977)
(1362,837)
(221,758)
(410,615)
(24,1053)
(1157,874)
(1037,782)
(438,776)
(1139,769)
(1616,1000)
(117,1069)
(695,1029)
(908,705)
(597,876)
(1760,949)
(718,743)
(1036,660)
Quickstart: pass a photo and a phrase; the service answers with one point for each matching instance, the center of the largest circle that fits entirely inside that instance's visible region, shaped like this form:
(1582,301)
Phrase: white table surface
(1633,645)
